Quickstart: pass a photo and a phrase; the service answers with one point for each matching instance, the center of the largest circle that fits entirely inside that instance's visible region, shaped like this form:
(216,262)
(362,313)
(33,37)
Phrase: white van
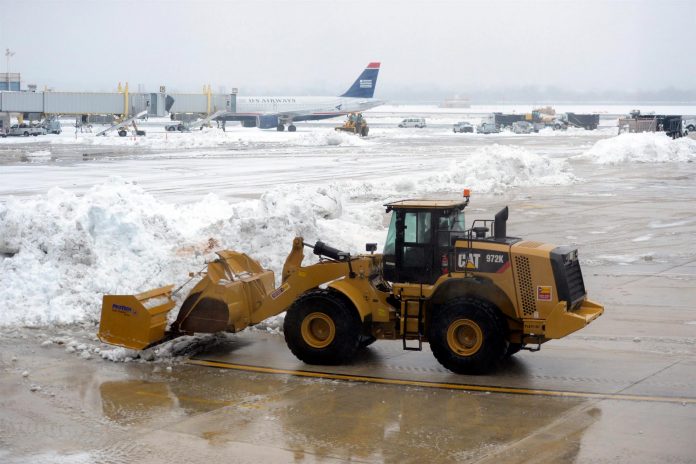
(413,122)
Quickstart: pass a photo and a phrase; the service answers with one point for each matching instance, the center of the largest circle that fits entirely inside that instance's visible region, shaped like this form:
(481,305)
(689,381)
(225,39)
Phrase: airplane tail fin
(364,85)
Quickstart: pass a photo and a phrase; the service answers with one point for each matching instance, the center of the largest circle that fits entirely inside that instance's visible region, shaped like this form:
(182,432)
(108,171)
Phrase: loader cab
(420,239)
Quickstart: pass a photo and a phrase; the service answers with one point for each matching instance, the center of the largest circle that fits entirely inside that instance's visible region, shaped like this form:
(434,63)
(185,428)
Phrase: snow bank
(331,138)
(496,168)
(490,169)
(210,138)
(63,251)
(641,148)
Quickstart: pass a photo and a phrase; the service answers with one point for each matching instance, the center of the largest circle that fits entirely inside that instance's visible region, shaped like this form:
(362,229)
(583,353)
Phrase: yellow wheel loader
(355,124)
(476,295)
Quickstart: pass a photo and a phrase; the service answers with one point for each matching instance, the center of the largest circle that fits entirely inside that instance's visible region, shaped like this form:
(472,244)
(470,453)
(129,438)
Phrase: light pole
(8,54)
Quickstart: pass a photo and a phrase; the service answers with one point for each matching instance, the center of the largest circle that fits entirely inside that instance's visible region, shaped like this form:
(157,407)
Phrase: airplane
(270,112)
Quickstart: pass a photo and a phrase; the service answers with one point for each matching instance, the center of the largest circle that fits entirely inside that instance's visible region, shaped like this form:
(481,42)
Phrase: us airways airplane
(270,112)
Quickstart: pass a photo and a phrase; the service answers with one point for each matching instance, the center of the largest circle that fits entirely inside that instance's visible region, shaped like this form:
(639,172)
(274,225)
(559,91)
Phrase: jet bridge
(121,103)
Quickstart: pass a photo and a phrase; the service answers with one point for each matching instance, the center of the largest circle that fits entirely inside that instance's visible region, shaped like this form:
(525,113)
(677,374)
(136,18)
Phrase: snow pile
(649,147)
(212,138)
(496,168)
(331,138)
(490,169)
(64,251)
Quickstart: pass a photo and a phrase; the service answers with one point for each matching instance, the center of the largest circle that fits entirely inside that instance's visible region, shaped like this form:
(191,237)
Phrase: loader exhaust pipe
(501,218)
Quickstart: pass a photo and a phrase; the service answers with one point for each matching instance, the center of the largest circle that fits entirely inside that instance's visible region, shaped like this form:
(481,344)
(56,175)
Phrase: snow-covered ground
(81,215)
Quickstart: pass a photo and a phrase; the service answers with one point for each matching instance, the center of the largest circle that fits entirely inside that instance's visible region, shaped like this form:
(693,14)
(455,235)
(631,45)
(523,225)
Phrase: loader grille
(568,275)
(526,288)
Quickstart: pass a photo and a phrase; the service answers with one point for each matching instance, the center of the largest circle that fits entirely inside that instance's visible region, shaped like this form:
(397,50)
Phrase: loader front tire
(467,336)
(321,327)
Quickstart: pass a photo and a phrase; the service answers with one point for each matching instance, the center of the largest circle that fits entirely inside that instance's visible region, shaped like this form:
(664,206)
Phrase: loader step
(408,308)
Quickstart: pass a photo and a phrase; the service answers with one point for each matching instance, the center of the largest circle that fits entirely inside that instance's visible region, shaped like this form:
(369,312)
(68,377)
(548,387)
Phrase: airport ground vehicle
(355,124)
(476,295)
(672,125)
(544,117)
(523,127)
(487,128)
(413,122)
(25,130)
(52,126)
(462,126)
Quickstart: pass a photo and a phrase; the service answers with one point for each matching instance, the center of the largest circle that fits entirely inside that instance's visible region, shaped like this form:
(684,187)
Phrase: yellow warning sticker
(544,293)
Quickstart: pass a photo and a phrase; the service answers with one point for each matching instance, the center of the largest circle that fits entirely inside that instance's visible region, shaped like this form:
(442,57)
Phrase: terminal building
(10,81)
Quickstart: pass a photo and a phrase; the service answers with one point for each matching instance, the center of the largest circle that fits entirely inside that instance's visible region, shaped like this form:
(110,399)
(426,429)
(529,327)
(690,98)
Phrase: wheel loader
(355,124)
(475,294)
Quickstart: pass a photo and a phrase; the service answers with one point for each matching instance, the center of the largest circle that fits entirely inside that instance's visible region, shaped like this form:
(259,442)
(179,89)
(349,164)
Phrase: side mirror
(370,247)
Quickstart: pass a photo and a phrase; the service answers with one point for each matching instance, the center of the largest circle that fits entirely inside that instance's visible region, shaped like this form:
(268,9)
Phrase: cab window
(417,227)
(390,244)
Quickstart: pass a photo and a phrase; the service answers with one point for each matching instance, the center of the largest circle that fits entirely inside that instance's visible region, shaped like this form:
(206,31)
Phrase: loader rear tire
(321,327)
(467,336)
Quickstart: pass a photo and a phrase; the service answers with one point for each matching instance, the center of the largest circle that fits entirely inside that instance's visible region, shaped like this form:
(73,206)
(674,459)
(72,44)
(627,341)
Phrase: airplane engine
(267,122)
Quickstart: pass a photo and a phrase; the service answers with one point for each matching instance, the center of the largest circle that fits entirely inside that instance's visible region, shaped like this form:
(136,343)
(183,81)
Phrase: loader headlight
(570,257)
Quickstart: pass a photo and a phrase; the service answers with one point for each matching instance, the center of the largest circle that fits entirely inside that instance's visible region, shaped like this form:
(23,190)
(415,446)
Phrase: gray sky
(319,47)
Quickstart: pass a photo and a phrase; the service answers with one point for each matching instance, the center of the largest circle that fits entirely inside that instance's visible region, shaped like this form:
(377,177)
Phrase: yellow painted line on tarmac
(443,385)
(192,399)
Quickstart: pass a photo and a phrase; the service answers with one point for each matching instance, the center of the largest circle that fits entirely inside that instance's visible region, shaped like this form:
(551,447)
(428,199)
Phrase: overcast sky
(319,47)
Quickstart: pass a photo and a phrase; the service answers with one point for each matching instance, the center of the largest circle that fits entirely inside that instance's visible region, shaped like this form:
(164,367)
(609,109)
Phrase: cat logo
(471,259)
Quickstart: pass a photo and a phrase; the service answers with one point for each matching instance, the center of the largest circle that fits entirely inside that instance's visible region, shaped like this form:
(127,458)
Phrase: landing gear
(292,128)
(280,127)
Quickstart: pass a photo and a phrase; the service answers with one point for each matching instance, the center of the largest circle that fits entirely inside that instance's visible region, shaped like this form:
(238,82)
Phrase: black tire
(122,133)
(292,128)
(280,127)
(365,131)
(312,315)
(26,134)
(691,128)
(468,336)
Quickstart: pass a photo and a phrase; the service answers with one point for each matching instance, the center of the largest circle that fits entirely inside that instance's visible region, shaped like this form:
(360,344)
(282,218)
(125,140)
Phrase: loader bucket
(135,321)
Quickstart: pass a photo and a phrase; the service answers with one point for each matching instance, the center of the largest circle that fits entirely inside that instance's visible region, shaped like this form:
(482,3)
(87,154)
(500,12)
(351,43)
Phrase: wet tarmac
(623,390)
(97,411)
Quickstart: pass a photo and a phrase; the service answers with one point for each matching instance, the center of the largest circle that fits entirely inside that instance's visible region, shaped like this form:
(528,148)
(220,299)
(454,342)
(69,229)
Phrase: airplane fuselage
(301,108)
